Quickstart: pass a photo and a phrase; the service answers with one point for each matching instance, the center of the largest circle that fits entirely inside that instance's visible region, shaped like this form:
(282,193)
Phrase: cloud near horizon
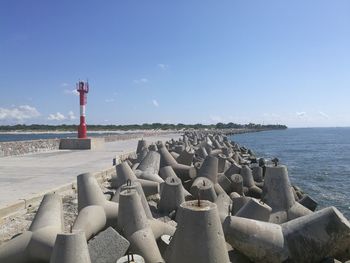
(60,117)
(56,117)
(19,113)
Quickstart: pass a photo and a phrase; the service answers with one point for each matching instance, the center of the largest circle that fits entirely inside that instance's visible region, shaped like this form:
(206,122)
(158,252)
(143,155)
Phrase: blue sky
(176,61)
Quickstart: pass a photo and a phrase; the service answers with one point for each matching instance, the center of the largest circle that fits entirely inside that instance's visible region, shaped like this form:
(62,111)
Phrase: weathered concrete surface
(25,147)
(22,177)
(108,246)
(82,144)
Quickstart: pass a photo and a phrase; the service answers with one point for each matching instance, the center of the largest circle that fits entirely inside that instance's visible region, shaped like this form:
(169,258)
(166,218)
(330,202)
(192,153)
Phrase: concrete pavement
(27,175)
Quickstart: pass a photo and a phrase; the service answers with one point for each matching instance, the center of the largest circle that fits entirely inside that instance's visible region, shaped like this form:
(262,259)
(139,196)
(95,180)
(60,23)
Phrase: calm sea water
(318,160)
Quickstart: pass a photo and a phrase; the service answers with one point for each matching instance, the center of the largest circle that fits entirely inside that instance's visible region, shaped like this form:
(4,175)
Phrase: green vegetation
(145,126)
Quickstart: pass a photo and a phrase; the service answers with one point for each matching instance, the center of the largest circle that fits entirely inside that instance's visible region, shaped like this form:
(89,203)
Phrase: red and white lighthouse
(83,89)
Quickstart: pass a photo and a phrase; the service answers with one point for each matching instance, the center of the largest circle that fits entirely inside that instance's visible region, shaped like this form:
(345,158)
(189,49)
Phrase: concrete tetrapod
(202,152)
(313,237)
(153,147)
(248,181)
(234,169)
(142,154)
(254,209)
(148,169)
(70,248)
(199,236)
(172,195)
(168,171)
(209,169)
(310,238)
(91,218)
(158,227)
(136,228)
(215,152)
(131,259)
(36,244)
(277,193)
(237,183)
(125,173)
(141,144)
(185,157)
(179,148)
(224,204)
(308,202)
(136,186)
(238,202)
(257,173)
(175,155)
(259,241)
(225,183)
(184,172)
(151,163)
(223,164)
(204,188)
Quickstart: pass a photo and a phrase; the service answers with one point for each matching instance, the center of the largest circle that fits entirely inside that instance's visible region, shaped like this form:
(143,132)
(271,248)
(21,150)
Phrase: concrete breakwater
(24,147)
(13,148)
(200,199)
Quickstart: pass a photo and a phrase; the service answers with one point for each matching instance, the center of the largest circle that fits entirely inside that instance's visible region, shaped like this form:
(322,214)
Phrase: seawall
(43,145)
(34,146)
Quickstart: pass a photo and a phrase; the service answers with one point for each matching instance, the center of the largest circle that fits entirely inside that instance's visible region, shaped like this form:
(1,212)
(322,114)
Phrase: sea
(318,160)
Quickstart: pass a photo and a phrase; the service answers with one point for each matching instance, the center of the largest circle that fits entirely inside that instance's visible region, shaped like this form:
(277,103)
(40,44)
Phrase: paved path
(27,175)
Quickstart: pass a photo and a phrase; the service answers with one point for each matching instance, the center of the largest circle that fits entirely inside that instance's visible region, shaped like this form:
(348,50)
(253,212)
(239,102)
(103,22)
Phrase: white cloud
(109,100)
(140,81)
(56,117)
(71,115)
(300,114)
(64,84)
(155,103)
(19,113)
(325,115)
(163,66)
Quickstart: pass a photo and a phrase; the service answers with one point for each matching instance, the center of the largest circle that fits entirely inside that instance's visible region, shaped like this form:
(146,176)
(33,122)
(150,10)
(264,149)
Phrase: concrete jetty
(204,208)
(24,178)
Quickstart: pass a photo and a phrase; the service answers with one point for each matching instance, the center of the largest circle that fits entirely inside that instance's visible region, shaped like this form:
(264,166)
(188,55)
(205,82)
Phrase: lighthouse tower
(82,142)
(83,89)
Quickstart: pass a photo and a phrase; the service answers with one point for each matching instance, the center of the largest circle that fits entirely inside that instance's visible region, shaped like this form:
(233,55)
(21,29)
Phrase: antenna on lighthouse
(83,89)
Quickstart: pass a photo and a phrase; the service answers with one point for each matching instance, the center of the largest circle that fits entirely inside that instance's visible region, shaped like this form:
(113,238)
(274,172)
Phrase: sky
(184,61)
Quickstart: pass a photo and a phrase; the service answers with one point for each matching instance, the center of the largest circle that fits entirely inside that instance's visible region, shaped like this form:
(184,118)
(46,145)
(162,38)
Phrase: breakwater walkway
(27,175)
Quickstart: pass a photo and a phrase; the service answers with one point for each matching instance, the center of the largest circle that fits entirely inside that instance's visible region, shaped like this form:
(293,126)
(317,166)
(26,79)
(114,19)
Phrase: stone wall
(23,147)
